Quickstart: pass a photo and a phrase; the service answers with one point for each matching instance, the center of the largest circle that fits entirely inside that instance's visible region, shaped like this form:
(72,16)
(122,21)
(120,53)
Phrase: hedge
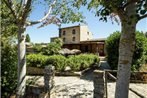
(77,62)
(82,61)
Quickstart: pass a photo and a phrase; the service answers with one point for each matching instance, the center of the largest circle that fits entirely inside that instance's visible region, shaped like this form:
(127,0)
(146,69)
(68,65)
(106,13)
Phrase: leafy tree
(112,46)
(129,13)
(8,26)
(60,11)
(28,38)
(8,53)
(53,47)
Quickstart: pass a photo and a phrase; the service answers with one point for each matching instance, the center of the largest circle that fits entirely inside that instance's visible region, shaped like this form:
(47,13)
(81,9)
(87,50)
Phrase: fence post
(99,84)
(48,79)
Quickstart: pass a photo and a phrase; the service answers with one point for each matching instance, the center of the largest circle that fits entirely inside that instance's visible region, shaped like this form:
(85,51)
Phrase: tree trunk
(21,68)
(126,49)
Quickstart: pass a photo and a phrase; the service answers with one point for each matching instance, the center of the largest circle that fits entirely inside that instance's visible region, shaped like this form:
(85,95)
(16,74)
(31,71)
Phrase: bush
(78,62)
(39,60)
(140,54)
(112,47)
(82,61)
(58,61)
(37,48)
(9,69)
(112,44)
(53,48)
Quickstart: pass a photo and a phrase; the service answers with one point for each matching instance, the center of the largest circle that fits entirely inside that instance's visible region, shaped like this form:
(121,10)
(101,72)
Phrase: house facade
(75,34)
(79,37)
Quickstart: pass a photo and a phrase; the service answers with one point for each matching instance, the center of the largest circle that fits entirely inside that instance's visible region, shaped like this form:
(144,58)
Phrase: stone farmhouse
(79,37)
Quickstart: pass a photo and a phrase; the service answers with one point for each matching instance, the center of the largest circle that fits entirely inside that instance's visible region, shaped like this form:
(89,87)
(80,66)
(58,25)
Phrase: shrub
(39,60)
(82,61)
(58,61)
(9,69)
(53,47)
(112,46)
(37,48)
(77,62)
(140,54)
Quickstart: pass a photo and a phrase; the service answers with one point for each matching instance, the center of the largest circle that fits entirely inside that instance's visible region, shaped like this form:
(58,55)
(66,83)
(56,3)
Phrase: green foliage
(82,61)
(63,11)
(37,48)
(112,45)
(9,69)
(8,24)
(58,61)
(53,47)
(145,34)
(140,54)
(105,8)
(8,52)
(77,62)
(37,60)
(28,38)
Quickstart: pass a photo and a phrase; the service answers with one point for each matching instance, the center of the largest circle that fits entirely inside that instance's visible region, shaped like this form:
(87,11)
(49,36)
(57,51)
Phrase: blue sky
(98,28)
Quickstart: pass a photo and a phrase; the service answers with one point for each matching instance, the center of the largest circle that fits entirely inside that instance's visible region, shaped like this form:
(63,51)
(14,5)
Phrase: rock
(67,68)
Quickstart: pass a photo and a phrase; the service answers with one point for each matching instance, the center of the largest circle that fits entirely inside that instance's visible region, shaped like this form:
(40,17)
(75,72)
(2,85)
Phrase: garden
(126,51)
(50,56)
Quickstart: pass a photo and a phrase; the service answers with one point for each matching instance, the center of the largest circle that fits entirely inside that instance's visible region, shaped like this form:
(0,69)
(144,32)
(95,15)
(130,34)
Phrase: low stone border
(68,73)
(34,71)
(136,77)
(39,71)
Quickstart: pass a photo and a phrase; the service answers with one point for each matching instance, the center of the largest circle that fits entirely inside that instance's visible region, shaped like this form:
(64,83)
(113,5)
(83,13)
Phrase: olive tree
(129,12)
(59,11)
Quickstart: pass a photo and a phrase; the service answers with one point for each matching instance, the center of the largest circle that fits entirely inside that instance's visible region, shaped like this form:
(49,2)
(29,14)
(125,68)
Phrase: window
(64,32)
(73,39)
(88,33)
(63,39)
(73,31)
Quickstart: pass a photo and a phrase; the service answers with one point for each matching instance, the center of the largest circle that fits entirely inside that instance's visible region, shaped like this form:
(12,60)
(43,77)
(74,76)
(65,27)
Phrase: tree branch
(49,11)
(26,10)
(141,17)
(19,7)
(10,7)
(29,23)
(128,3)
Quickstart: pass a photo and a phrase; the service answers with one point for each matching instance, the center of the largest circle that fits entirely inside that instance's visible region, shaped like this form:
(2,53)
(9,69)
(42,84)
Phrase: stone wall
(33,91)
(100,87)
